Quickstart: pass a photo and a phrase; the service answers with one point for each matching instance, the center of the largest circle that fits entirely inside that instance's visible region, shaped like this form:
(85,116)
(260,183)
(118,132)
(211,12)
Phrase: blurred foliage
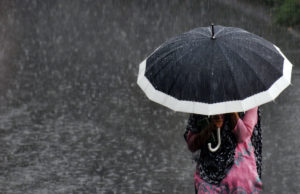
(287,12)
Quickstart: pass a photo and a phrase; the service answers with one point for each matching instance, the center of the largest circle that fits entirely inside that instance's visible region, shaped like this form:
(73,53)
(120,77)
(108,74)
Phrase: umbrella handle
(219,142)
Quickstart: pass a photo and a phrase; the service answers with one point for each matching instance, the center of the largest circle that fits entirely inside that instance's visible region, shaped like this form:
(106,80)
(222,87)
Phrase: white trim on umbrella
(216,108)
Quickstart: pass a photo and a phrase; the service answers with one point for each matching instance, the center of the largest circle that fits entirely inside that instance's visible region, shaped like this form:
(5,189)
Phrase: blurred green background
(286,12)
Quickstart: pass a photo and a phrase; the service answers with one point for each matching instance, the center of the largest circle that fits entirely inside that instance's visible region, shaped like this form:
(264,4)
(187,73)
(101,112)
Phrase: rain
(73,119)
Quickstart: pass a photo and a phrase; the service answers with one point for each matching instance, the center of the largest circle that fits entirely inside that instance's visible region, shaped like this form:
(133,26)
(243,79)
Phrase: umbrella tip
(212,31)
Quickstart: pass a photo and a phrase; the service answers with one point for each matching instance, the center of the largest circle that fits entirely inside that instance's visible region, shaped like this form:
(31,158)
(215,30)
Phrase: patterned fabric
(213,166)
(242,176)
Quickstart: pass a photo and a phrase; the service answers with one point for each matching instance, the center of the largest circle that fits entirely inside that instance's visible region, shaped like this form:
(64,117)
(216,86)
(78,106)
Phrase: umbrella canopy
(214,70)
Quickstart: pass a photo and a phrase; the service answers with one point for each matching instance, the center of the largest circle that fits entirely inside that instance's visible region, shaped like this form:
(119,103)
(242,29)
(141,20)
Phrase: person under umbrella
(216,74)
(236,165)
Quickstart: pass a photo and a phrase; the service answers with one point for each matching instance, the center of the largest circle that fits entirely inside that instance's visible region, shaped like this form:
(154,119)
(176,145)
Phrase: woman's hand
(218,120)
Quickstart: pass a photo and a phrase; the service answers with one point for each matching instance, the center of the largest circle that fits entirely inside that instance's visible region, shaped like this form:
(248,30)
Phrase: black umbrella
(214,70)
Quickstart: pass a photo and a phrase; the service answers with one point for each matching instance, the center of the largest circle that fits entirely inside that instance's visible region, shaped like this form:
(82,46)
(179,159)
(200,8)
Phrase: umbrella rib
(197,32)
(235,81)
(174,82)
(163,66)
(165,55)
(154,75)
(177,39)
(256,38)
(246,63)
(256,54)
(230,32)
(219,31)
(180,37)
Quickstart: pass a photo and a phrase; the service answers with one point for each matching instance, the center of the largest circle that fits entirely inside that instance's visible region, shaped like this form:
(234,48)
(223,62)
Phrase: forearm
(244,127)
(250,118)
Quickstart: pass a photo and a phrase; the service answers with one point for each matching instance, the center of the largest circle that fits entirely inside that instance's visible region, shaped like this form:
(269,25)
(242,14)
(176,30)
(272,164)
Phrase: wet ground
(73,120)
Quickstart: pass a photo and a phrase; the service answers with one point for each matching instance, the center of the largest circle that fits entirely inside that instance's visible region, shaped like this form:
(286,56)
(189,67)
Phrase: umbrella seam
(197,32)
(159,58)
(239,31)
(261,80)
(238,89)
(256,54)
(153,76)
(174,82)
(219,32)
(255,37)
(170,52)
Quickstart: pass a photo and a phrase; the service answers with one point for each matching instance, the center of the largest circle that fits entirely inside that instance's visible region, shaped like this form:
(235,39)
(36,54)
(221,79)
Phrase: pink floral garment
(242,177)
